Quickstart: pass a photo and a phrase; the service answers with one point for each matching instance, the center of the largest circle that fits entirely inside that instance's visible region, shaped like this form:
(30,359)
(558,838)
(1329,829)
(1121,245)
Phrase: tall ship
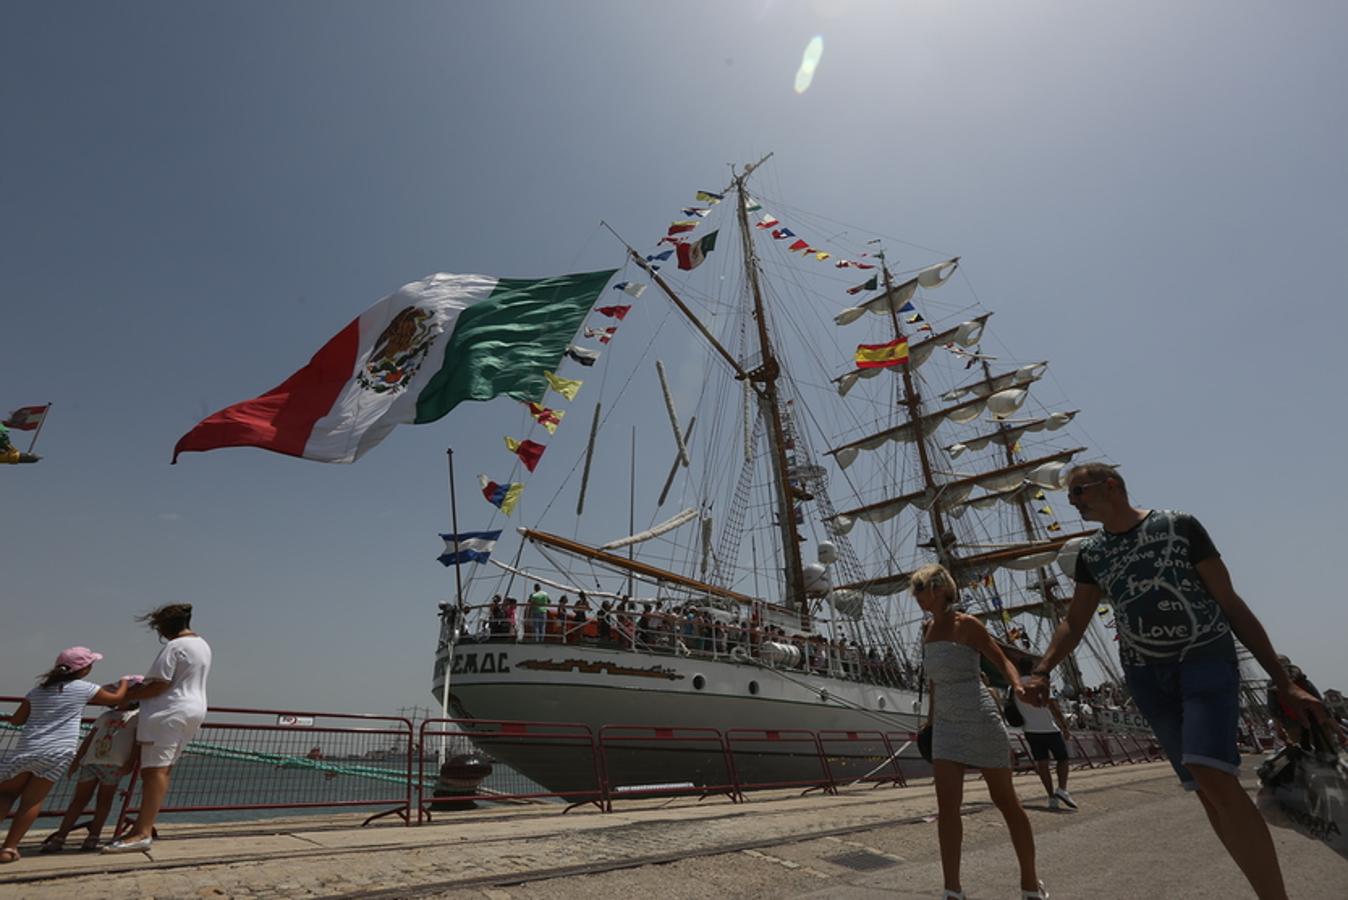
(854,419)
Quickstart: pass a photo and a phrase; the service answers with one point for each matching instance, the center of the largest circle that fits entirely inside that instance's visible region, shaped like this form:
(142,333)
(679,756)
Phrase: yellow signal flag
(567,387)
(1045,510)
(1015,448)
(1054,526)
(1039,495)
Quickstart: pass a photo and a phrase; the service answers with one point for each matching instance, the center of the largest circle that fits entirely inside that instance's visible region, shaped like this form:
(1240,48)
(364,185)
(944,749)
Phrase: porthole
(881,703)
(699,682)
(753,687)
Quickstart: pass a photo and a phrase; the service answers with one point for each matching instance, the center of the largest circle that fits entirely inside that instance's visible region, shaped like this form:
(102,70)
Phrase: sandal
(53,843)
(948,894)
(9,855)
(89,843)
(1041,894)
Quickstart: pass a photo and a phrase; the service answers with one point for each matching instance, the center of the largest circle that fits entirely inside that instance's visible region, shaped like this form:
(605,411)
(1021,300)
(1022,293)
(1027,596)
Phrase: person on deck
(538,614)
(1177,614)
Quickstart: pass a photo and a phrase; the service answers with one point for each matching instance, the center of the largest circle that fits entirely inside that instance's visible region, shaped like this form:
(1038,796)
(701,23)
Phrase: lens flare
(814,50)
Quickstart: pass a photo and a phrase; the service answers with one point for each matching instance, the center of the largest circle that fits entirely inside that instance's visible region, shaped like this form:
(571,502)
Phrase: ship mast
(1051,602)
(914,403)
(766,375)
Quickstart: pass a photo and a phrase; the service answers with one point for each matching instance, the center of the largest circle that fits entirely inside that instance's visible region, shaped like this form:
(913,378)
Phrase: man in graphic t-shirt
(1177,615)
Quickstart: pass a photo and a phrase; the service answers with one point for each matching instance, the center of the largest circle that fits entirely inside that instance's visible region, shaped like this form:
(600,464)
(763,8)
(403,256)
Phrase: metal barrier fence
(265,759)
(247,760)
(562,756)
(636,761)
(862,757)
(764,758)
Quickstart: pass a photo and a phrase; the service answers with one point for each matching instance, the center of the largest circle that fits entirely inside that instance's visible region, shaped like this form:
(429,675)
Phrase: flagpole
(40,422)
(454,523)
(458,607)
(632,514)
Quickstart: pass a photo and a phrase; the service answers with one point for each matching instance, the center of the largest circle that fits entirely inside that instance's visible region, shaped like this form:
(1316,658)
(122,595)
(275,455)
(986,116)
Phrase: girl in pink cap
(50,716)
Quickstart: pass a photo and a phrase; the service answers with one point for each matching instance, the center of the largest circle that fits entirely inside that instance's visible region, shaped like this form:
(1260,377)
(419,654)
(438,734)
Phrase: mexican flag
(409,359)
(692,253)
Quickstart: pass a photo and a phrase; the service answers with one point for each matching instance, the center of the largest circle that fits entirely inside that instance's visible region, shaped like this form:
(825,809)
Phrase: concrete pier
(1136,835)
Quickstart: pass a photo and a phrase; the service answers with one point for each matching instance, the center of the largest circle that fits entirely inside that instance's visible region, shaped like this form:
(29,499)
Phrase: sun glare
(814,50)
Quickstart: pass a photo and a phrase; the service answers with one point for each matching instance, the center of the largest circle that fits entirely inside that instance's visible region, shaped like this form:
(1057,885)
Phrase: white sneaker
(1061,794)
(952,895)
(1041,894)
(1052,802)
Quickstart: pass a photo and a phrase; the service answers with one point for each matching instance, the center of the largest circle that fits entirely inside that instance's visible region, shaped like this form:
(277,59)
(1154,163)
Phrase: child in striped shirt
(50,716)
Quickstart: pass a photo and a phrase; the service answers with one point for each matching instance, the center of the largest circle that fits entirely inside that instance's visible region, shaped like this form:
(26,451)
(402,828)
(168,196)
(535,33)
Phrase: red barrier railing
(766,758)
(855,757)
(310,761)
(297,761)
(636,760)
(562,756)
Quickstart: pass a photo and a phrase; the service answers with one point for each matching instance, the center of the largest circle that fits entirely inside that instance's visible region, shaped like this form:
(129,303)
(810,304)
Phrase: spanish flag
(882,356)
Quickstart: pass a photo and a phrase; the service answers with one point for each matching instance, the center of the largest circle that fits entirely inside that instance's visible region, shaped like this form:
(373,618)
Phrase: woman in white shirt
(172,707)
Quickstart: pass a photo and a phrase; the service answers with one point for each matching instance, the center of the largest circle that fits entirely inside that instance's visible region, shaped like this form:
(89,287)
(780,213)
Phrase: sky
(194,197)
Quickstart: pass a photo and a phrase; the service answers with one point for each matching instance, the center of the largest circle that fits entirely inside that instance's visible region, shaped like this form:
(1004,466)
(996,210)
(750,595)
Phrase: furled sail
(961,412)
(954,491)
(892,301)
(1008,436)
(666,526)
(1020,377)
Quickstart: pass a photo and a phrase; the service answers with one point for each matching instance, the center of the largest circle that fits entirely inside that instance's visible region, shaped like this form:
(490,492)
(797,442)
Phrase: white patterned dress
(966,724)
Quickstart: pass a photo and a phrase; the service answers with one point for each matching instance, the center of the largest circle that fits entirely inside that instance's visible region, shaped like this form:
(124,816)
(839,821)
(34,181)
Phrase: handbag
(1307,791)
(924,742)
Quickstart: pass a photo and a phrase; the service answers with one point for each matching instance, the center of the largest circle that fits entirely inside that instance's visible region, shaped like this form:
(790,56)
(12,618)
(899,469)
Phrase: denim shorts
(1194,709)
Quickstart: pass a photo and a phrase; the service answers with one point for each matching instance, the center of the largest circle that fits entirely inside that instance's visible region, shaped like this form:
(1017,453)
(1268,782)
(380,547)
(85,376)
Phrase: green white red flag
(410,359)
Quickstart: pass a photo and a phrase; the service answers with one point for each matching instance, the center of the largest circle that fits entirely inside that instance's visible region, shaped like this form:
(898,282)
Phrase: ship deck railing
(671,635)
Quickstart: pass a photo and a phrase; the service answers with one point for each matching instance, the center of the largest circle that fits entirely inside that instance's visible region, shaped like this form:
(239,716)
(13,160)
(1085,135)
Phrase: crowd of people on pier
(150,720)
(684,629)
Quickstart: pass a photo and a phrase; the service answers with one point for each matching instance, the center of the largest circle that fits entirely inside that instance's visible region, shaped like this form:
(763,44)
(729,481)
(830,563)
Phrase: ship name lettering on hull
(491,663)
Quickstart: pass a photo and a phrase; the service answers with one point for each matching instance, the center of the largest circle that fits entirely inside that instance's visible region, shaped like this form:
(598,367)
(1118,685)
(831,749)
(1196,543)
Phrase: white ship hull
(597,686)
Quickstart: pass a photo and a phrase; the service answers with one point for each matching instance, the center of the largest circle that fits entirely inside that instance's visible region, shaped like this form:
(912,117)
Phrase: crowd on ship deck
(684,629)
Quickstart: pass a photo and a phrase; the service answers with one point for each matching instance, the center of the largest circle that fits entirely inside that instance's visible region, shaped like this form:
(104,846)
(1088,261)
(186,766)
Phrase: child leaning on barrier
(50,716)
(104,758)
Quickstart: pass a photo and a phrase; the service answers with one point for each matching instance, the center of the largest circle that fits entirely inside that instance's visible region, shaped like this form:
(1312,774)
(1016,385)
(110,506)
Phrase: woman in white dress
(172,707)
(967,730)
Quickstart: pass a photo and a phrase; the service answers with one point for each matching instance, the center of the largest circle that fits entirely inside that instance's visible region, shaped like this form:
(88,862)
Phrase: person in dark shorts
(1176,615)
(1046,732)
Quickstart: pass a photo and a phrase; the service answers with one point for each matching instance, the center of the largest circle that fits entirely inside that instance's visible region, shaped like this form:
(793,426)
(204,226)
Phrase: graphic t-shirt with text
(1162,609)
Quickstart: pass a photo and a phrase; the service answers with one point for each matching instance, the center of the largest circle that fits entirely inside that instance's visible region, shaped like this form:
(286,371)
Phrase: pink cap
(74,658)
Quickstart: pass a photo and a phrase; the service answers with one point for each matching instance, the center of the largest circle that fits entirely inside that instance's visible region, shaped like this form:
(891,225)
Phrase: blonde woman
(967,729)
